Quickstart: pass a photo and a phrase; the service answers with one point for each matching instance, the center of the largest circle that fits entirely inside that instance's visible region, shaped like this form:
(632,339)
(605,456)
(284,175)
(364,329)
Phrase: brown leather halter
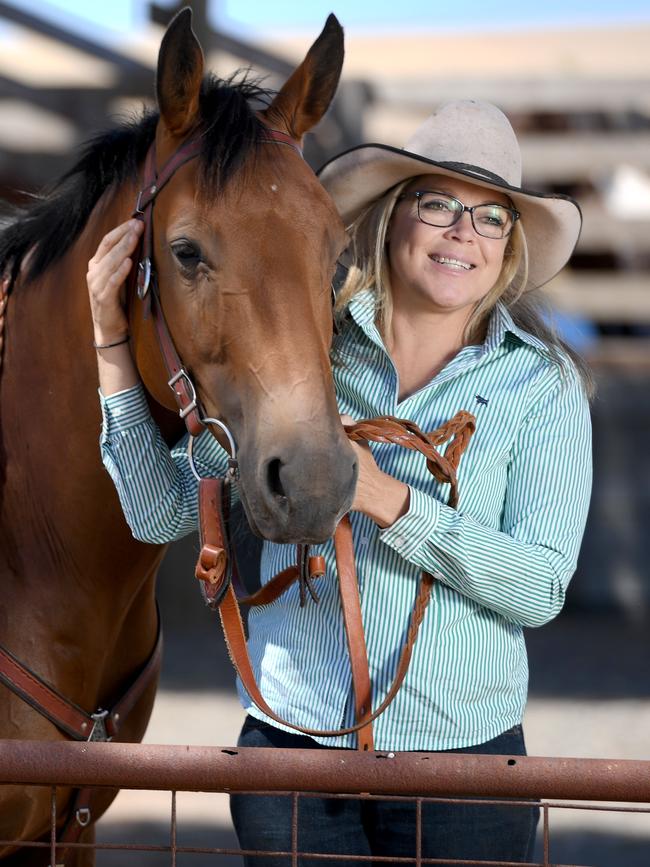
(144,277)
(217,569)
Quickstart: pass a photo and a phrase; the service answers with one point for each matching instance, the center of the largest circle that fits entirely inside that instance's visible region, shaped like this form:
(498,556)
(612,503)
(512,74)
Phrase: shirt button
(400,541)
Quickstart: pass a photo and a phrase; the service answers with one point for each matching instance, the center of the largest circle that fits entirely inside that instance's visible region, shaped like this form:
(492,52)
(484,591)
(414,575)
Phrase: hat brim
(552,223)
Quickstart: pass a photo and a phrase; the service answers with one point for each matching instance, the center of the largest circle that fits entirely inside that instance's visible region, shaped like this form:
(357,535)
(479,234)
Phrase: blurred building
(580,102)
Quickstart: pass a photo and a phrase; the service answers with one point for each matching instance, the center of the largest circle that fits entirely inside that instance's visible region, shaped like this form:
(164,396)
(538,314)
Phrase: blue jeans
(356,827)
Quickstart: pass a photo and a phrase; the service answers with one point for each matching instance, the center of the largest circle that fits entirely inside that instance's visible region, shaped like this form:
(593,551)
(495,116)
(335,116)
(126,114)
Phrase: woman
(435,317)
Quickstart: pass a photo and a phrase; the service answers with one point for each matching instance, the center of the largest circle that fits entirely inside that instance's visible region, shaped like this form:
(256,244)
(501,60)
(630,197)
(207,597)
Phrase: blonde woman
(435,315)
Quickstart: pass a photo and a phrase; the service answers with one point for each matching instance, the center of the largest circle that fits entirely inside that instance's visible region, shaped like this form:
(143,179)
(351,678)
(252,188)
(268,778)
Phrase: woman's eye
(492,216)
(187,253)
(436,205)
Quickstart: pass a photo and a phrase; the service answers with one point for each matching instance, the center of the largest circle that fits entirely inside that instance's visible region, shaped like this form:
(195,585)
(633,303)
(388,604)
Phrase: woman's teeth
(454,263)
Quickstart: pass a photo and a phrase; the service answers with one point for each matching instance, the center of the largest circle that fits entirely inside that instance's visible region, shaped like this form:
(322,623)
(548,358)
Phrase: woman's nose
(462,228)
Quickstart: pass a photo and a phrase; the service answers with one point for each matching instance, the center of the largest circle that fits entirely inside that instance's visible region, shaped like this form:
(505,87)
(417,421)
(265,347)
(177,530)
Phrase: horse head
(245,243)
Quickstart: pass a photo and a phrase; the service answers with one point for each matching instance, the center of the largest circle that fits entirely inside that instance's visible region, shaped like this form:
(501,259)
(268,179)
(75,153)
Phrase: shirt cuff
(124,410)
(425,515)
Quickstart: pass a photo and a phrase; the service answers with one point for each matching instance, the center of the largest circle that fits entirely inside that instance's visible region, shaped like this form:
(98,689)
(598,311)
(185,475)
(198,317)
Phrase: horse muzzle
(296,493)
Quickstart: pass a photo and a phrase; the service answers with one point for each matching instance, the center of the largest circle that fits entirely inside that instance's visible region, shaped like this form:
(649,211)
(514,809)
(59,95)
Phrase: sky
(254,18)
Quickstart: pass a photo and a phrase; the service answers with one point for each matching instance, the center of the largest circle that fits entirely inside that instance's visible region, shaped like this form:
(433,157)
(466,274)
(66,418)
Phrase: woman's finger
(119,275)
(101,271)
(114,258)
(126,233)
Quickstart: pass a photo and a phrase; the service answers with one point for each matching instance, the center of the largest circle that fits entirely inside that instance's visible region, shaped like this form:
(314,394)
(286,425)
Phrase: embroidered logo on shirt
(483,401)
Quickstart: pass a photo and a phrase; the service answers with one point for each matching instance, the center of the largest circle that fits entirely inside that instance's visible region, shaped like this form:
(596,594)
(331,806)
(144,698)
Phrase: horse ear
(306,95)
(179,75)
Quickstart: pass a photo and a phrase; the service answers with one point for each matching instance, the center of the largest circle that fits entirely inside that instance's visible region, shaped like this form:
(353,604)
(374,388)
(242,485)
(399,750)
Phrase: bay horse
(245,245)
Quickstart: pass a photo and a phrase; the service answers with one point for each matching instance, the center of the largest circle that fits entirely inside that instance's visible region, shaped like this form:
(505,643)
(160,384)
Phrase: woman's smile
(447,269)
(451,263)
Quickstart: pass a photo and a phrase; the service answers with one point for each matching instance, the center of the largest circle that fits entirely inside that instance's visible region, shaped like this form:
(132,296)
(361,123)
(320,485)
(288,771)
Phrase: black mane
(50,224)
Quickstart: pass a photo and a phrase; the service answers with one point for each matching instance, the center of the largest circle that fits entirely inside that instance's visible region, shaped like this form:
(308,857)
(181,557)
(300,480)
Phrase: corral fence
(572,784)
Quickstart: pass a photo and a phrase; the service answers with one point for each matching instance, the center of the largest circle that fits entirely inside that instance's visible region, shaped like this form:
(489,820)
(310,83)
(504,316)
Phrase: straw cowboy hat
(474,141)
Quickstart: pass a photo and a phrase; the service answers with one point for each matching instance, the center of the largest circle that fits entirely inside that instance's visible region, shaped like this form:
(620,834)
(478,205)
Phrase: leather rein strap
(216,568)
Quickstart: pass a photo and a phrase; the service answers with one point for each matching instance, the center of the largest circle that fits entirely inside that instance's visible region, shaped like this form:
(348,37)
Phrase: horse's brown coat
(253,325)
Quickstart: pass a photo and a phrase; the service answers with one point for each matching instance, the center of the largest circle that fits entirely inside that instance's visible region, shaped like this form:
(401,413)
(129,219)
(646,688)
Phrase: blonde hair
(365,257)
(367,269)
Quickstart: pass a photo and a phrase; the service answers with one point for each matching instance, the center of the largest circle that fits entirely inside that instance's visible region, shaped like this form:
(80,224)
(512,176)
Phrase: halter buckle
(99,732)
(182,374)
(233,469)
(148,191)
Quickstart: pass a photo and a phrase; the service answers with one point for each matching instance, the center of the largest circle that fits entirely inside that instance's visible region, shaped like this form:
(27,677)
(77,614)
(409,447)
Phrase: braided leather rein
(402,432)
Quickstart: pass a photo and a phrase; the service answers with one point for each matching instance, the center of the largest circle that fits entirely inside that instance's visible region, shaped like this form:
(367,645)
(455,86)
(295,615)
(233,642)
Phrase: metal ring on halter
(144,268)
(232,460)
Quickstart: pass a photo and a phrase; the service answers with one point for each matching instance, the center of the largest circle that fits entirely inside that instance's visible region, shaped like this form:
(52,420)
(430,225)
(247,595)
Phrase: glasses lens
(436,209)
(492,221)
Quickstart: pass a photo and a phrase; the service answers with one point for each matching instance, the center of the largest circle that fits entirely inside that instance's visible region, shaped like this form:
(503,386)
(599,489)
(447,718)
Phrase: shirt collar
(362,308)
(501,326)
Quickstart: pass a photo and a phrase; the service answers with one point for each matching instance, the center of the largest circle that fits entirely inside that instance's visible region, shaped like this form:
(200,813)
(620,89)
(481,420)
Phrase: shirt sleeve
(156,486)
(522,569)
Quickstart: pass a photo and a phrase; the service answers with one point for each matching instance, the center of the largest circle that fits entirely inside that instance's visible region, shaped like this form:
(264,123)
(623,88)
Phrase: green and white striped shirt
(502,560)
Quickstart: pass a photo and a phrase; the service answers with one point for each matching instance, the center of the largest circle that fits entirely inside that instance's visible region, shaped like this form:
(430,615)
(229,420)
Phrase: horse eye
(187,253)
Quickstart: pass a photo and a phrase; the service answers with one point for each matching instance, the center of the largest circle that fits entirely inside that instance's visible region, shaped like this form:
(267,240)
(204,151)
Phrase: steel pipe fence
(417,778)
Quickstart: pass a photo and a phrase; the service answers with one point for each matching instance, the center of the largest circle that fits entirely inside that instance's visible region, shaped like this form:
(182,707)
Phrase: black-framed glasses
(490,219)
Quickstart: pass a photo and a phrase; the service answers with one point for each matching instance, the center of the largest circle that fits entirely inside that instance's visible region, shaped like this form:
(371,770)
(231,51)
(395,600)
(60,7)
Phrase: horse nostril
(273,478)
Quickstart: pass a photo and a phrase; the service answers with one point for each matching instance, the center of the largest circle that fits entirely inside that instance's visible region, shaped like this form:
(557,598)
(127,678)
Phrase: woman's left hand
(378,495)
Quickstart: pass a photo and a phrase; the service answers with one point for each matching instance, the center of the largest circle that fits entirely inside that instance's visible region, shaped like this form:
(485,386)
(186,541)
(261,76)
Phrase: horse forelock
(48,225)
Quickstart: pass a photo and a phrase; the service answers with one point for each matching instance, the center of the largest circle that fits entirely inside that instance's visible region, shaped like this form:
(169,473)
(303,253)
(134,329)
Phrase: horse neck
(48,340)
(58,509)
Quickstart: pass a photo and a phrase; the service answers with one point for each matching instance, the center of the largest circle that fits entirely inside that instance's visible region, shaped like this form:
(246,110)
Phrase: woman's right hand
(107,271)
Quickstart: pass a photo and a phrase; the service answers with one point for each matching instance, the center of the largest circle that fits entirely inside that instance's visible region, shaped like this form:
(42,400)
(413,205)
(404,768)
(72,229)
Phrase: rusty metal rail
(218,769)
(299,774)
